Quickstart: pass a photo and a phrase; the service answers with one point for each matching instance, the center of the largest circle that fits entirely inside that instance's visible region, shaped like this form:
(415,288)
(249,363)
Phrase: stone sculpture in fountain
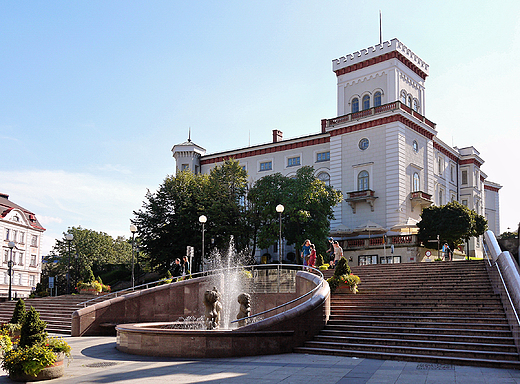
(213,308)
(244,299)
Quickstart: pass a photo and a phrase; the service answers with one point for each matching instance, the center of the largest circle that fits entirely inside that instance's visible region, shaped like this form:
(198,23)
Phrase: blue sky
(93,95)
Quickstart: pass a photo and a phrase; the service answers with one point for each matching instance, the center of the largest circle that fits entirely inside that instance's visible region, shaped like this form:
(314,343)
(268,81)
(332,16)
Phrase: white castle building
(381,152)
(20,228)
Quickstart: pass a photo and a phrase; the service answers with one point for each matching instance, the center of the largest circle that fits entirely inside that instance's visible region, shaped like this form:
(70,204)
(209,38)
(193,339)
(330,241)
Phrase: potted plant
(36,357)
(343,278)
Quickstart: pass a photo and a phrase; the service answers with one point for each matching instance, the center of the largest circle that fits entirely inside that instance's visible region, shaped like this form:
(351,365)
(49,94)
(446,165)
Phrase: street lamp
(11,245)
(280,208)
(202,220)
(133,229)
(69,237)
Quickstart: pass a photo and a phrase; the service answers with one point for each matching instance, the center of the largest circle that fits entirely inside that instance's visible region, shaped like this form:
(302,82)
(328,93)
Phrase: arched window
(362,181)
(416,182)
(355,105)
(403,97)
(377,99)
(416,105)
(410,101)
(325,177)
(366,102)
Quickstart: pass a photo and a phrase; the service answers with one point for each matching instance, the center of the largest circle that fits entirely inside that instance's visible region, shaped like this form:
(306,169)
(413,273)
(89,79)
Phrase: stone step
(419,319)
(415,324)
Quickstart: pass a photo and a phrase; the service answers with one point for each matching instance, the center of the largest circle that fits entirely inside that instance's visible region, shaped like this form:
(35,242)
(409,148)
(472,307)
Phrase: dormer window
(355,105)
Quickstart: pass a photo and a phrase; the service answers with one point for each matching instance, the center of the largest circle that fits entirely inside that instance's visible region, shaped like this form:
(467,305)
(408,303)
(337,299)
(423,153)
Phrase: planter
(50,372)
(347,289)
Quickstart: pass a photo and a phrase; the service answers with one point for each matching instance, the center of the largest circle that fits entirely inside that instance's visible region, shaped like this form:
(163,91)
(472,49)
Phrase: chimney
(5,196)
(277,135)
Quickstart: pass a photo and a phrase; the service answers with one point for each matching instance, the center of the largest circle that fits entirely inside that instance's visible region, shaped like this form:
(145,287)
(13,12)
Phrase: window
(19,278)
(293,161)
(390,259)
(22,237)
(185,167)
(416,105)
(6,278)
(32,281)
(403,97)
(362,181)
(440,161)
(266,166)
(465,203)
(20,258)
(7,234)
(363,144)
(365,260)
(325,177)
(366,102)
(415,146)
(452,173)
(323,156)
(464,177)
(377,99)
(34,241)
(33,261)
(6,256)
(355,105)
(440,196)
(416,182)
(410,101)
(14,235)
(16,218)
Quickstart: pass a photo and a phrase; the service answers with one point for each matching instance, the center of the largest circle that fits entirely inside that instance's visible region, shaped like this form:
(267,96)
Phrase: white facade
(20,226)
(381,151)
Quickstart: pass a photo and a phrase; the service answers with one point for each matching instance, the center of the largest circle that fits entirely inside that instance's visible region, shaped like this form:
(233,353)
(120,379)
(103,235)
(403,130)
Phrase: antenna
(380,29)
(189,134)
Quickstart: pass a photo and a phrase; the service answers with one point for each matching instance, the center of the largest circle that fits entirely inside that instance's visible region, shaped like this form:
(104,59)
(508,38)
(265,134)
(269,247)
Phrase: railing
(420,195)
(377,242)
(396,105)
(500,280)
(264,283)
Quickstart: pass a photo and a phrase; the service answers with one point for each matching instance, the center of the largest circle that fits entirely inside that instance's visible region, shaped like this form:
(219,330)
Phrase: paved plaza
(96,360)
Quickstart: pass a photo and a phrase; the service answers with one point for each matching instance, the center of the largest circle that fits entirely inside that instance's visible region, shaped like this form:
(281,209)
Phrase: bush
(342,274)
(29,360)
(19,312)
(319,261)
(33,329)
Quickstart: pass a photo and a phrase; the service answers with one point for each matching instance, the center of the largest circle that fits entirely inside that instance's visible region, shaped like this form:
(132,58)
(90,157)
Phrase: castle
(382,153)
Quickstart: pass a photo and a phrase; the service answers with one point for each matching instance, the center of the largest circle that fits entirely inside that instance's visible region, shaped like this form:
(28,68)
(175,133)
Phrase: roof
(7,206)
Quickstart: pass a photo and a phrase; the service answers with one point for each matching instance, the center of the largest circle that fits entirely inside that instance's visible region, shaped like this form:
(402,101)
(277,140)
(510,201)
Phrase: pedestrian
(330,251)
(312,256)
(177,270)
(306,250)
(338,253)
(185,266)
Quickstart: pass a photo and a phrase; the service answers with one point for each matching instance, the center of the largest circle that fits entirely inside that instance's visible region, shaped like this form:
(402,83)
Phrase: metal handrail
(194,275)
(491,264)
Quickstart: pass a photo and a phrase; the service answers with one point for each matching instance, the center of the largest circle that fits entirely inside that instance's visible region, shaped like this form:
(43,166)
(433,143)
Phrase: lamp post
(69,237)
(133,229)
(11,245)
(202,220)
(280,208)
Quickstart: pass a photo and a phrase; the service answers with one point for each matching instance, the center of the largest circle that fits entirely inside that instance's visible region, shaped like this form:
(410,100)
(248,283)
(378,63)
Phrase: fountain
(209,315)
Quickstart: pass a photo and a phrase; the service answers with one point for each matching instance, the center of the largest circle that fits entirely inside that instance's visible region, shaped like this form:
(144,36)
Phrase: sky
(94,94)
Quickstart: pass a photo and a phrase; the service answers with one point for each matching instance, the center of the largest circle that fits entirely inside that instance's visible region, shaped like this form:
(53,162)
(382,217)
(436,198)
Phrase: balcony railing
(421,199)
(355,197)
(378,242)
(396,105)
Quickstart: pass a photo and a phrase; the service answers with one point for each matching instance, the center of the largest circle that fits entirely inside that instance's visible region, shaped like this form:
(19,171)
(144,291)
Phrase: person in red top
(312,256)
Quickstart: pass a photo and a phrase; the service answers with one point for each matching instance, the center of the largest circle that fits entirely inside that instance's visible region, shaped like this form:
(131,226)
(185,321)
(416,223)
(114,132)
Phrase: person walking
(306,250)
(330,252)
(185,266)
(312,256)
(338,253)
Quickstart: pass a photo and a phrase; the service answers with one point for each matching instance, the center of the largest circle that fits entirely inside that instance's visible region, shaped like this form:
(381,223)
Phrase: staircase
(439,312)
(56,311)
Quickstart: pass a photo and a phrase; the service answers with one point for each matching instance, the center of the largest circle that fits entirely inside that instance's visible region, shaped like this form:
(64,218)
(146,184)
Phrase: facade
(382,153)
(20,226)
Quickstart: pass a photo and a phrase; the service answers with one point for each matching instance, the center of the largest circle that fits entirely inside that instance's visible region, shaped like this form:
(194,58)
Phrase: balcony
(396,105)
(366,196)
(420,199)
(378,242)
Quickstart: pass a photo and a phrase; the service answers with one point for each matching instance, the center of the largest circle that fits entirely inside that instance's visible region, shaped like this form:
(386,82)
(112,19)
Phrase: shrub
(58,345)
(19,312)
(319,261)
(29,360)
(33,329)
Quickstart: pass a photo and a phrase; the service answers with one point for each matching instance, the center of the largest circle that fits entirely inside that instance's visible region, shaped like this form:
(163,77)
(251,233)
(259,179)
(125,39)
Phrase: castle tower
(187,156)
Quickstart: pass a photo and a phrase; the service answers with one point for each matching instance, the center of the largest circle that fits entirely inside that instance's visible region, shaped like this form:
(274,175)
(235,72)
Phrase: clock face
(363,144)
(415,146)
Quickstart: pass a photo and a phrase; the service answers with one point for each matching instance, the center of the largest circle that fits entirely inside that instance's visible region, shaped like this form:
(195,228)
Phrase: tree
(454,223)
(89,251)
(19,312)
(169,219)
(33,329)
(308,204)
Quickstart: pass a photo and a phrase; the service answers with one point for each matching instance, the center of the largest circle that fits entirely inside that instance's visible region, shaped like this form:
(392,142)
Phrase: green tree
(169,219)
(454,223)
(19,312)
(308,208)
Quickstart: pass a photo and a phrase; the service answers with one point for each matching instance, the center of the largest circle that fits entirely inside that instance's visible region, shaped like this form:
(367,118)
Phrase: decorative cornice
(379,59)
(262,151)
(444,151)
(470,161)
